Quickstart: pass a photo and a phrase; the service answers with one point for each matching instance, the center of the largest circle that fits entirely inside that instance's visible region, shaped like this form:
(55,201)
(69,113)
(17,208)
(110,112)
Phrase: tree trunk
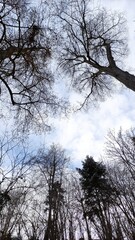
(122,76)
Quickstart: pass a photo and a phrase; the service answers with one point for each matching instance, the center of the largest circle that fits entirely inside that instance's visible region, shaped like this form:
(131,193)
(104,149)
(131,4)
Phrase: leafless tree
(121,151)
(49,168)
(25,54)
(41,197)
(93,45)
(13,187)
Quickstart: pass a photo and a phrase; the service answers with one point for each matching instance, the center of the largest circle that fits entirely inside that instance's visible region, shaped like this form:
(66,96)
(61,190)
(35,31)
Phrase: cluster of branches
(92,48)
(89,43)
(25,53)
(41,197)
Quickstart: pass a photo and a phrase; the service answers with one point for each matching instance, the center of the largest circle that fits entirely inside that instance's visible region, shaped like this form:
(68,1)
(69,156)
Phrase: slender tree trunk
(86,221)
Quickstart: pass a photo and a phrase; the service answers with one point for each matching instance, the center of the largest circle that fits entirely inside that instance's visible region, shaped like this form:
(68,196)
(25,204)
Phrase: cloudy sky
(85,133)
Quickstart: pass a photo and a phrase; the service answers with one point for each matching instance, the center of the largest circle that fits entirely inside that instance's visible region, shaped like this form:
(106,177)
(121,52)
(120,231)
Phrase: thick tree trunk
(122,76)
(113,70)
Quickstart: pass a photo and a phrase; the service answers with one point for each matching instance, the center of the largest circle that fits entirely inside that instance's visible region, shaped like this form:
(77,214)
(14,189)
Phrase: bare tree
(49,168)
(13,188)
(25,53)
(121,150)
(93,45)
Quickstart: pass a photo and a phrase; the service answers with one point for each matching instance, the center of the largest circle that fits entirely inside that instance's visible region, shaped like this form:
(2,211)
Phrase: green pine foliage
(98,192)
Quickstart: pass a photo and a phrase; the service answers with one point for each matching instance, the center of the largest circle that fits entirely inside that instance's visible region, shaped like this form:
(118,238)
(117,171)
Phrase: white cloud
(84,133)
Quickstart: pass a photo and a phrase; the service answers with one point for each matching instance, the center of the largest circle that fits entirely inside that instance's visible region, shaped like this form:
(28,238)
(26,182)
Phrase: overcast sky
(85,133)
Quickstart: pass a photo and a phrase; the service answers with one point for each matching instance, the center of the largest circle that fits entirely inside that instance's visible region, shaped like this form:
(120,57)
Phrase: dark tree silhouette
(25,49)
(99,194)
(94,43)
(94,182)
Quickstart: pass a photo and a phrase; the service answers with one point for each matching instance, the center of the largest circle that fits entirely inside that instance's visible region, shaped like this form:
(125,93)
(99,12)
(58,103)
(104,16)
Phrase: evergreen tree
(94,180)
(99,194)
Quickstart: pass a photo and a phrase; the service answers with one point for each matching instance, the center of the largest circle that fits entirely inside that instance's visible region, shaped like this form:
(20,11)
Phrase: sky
(84,133)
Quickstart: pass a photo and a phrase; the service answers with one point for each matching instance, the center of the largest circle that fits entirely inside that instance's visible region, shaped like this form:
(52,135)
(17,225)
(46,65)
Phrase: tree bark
(123,76)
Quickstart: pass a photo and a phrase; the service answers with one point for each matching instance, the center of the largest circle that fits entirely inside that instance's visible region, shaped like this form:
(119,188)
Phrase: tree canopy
(89,43)
(41,197)
(95,184)
(25,56)
(93,46)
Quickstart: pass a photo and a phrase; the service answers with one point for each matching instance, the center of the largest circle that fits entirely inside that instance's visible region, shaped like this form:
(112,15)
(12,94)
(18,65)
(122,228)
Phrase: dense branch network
(25,50)
(93,45)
